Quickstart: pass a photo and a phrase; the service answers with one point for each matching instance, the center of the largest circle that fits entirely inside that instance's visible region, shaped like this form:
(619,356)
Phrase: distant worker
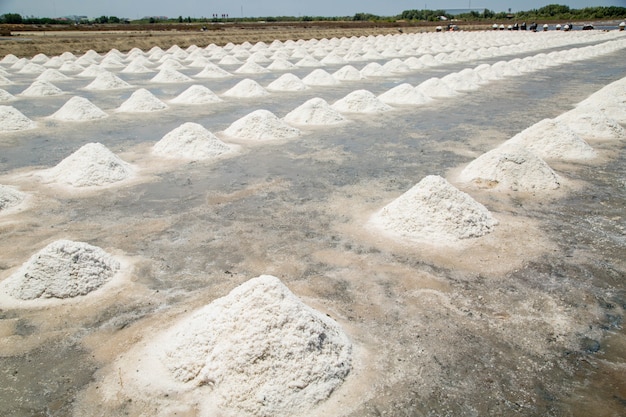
(622,26)
(523,27)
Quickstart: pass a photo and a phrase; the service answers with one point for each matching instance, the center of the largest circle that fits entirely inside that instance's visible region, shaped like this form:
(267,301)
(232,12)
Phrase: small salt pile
(259,58)
(4,80)
(592,124)
(90,166)
(314,112)
(191,141)
(551,139)
(403,94)
(308,62)
(107,81)
(41,89)
(374,69)
(52,75)
(261,125)
(168,75)
(32,68)
(78,109)
(246,88)
(142,101)
(264,352)
(169,63)
(12,119)
(230,60)
(360,101)
(9,59)
(436,88)
(6,96)
(319,77)
(136,67)
(287,82)
(92,71)
(63,269)
(434,211)
(71,67)
(251,67)
(196,94)
(396,66)
(281,64)
(348,73)
(10,197)
(512,168)
(213,71)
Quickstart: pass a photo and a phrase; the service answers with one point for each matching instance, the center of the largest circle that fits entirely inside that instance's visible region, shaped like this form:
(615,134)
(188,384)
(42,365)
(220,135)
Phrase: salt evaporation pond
(523,319)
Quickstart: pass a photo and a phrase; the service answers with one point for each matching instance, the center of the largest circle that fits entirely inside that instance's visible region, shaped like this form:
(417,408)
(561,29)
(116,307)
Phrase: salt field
(423,224)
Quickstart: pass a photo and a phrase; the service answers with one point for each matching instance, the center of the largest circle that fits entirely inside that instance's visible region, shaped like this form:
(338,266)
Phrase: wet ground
(526,321)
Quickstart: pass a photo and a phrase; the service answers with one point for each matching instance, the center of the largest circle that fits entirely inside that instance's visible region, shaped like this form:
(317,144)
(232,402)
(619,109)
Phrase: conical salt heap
(360,101)
(287,82)
(263,351)
(552,139)
(315,111)
(434,211)
(169,75)
(12,119)
(246,88)
(142,101)
(10,197)
(196,94)
(78,109)
(91,165)
(107,81)
(41,89)
(510,167)
(190,141)
(592,124)
(403,94)
(261,125)
(63,269)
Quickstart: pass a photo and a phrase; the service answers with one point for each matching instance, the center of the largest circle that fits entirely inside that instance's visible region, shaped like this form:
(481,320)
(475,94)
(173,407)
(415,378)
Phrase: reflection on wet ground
(528,321)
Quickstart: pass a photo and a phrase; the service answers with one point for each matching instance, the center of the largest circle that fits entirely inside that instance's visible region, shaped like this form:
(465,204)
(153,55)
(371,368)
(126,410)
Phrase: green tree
(13,18)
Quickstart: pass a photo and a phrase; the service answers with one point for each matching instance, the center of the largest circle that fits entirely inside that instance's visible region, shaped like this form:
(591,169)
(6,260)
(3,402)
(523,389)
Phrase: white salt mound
(41,89)
(91,165)
(263,351)
(403,94)
(348,73)
(6,96)
(10,197)
(52,75)
(196,94)
(552,139)
(246,88)
(169,75)
(360,101)
(261,125)
(213,71)
(319,77)
(107,81)
(590,124)
(190,141)
(78,109)
(142,101)
(315,111)
(63,269)
(434,210)
(510,167)
(287,82)
(251,67)
(12,119)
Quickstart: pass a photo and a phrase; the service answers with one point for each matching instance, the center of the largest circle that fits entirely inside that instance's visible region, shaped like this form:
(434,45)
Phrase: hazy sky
(252,8)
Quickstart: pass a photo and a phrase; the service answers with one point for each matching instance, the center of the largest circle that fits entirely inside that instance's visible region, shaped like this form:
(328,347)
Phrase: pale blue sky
(252,8)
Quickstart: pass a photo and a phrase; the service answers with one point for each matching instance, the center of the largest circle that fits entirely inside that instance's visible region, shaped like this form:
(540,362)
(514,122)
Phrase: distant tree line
(549,12)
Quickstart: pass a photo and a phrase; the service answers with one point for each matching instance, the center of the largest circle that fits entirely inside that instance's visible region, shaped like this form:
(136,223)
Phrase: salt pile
(280,64)
(551,139)
(142,101)
(52,75)
(246,88)
(196,94)
(315,111)
(136,67)
(360,101)
(308,61)
(403,94)
(510,167)
(32,68)
(374,69)
(70,66)
(434,210)
(590,124)
(229,60)
(107,81)
(12,119)
(287,82)
(168,75)
(9,59)
(263,351)
(63,269)
(10,197)
(190,141)
(78,109)
(251,67)
(213,71)
(319,77)
(6,96)
(91,165)
(436,88)
(4,80)
(261,125)
(92,71)
(348,73)
(41,89)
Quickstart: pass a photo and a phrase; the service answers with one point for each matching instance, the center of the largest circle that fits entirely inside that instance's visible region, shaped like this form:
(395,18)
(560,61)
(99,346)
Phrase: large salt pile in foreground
(315,111)
(78,109)
(63,269)
(263,351)
(10,197)
(91,165)
(434,211)
(360,101)
(510,167)
(552,139)
(261,125)
(142,101)
(191,141)
(196,94)
(12,119)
